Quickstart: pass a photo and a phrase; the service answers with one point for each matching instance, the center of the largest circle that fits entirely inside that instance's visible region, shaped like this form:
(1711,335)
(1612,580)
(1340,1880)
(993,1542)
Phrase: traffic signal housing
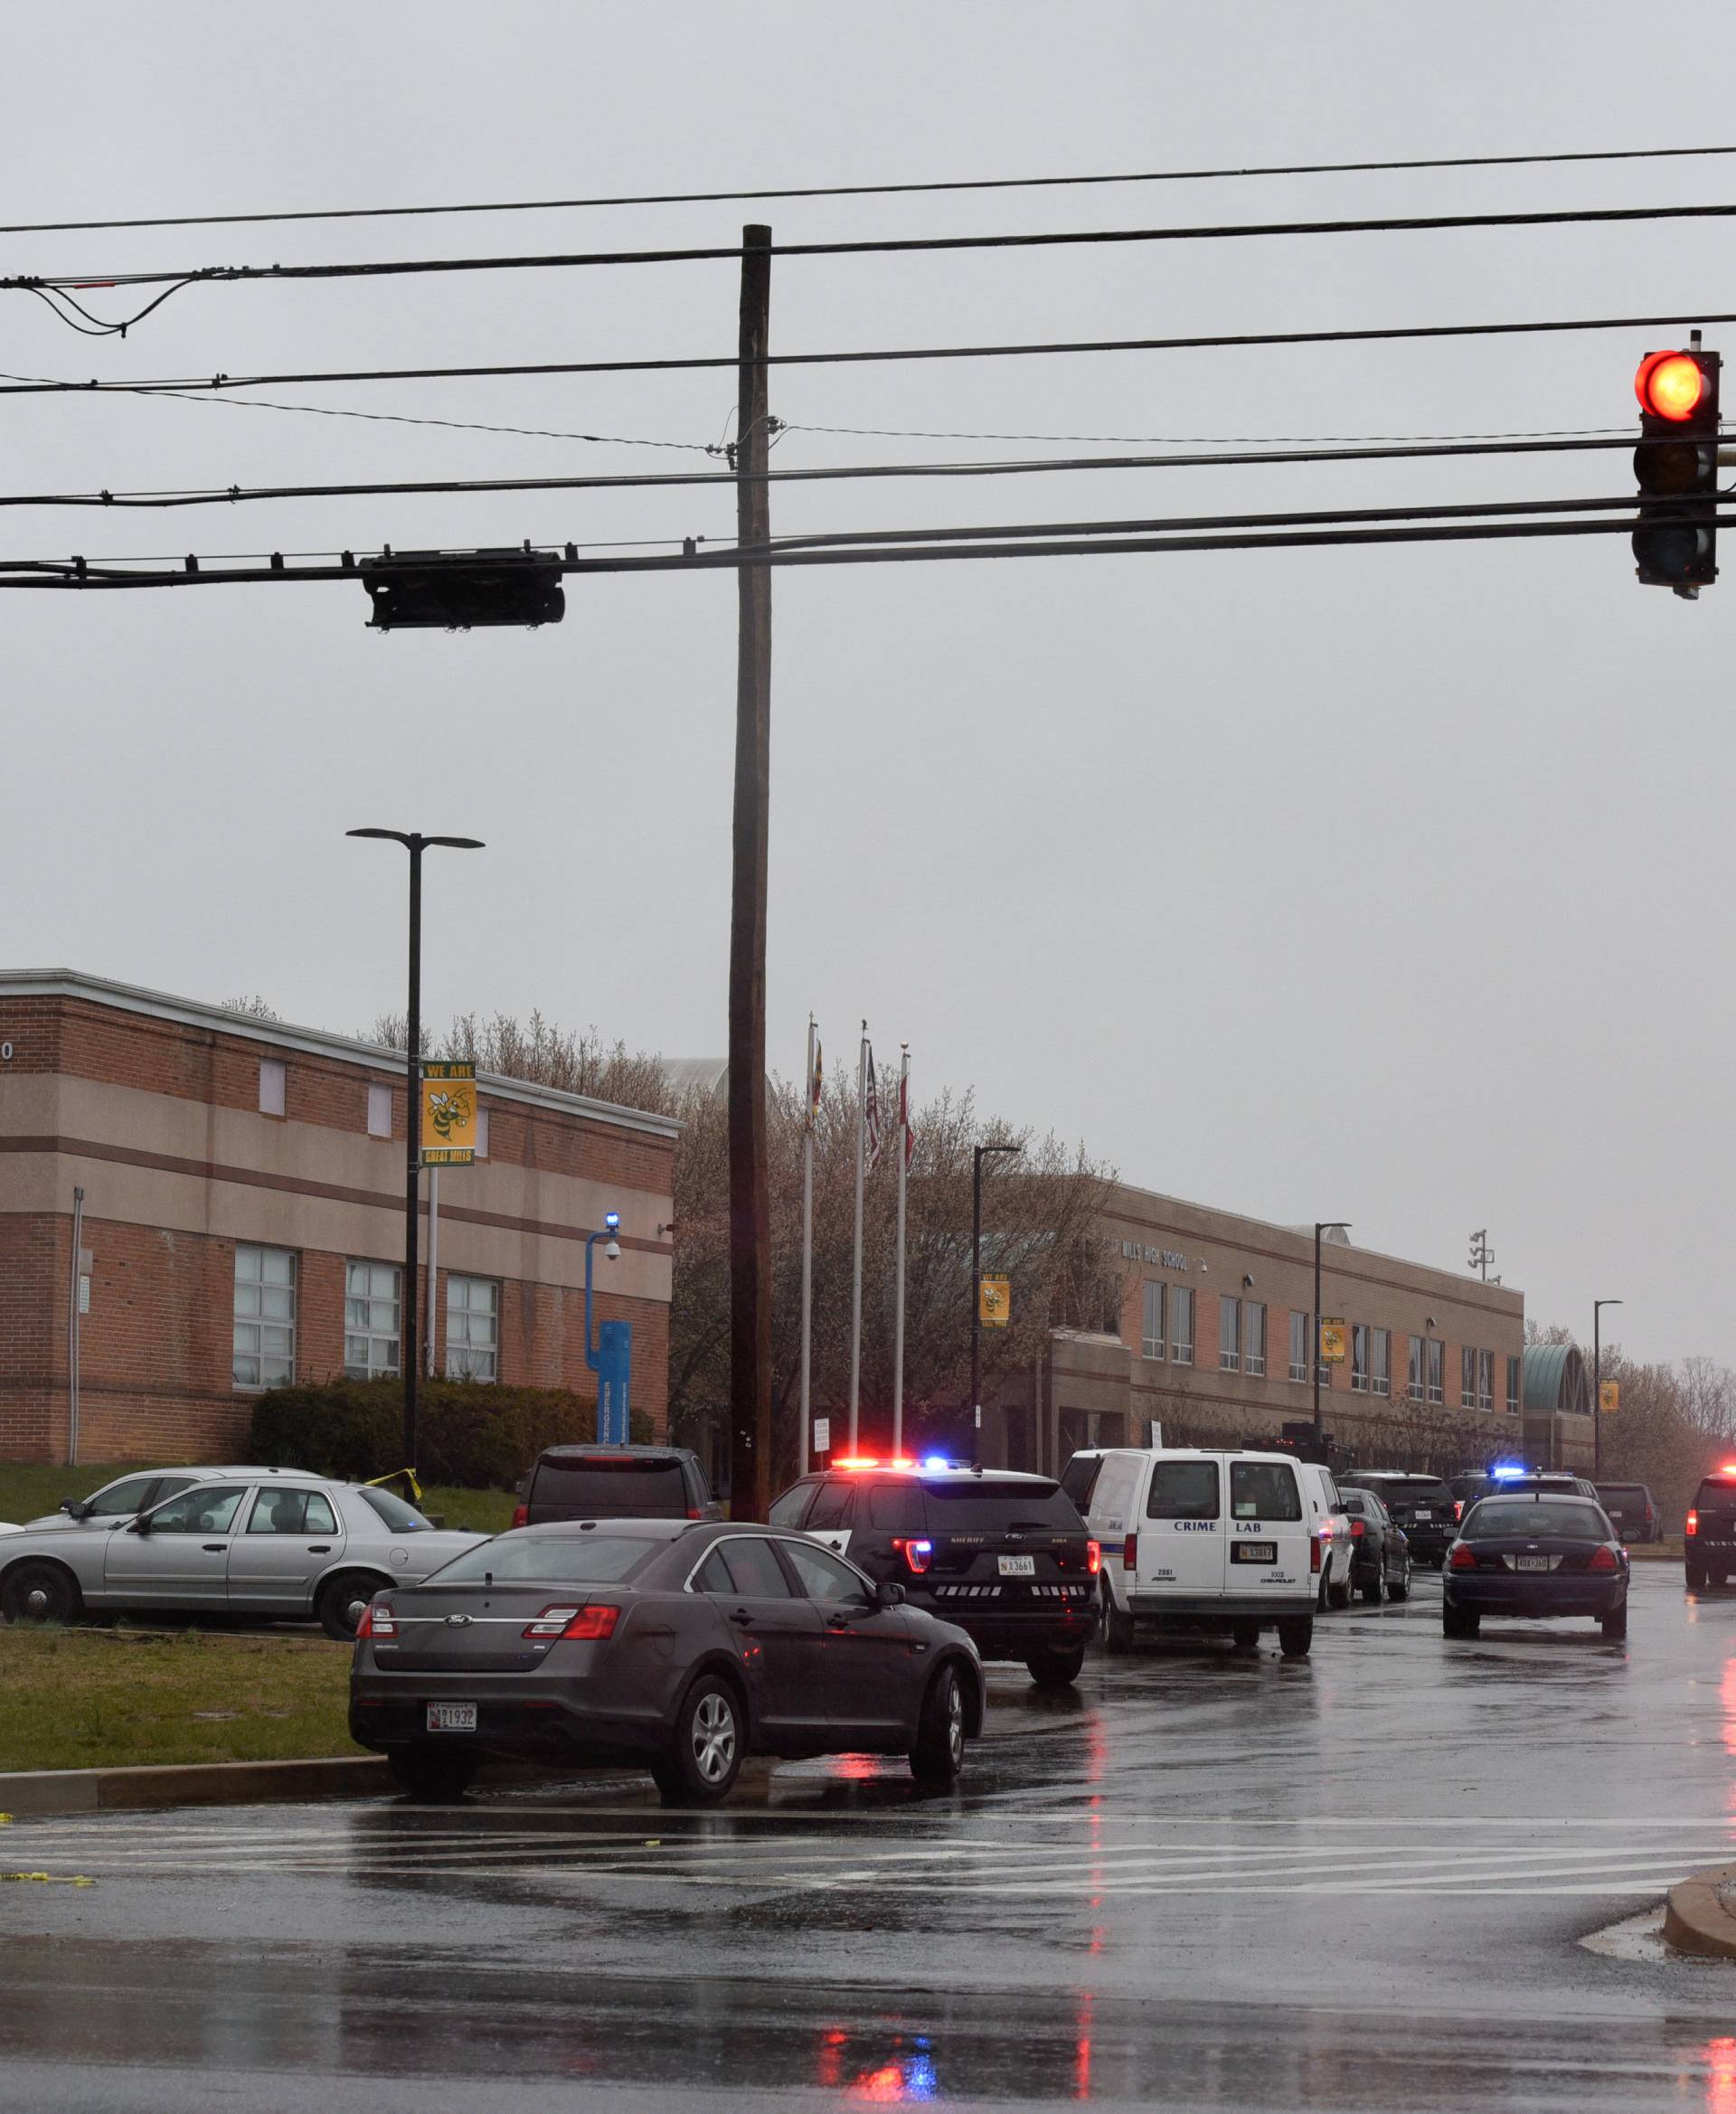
(1676,465)
(456,591)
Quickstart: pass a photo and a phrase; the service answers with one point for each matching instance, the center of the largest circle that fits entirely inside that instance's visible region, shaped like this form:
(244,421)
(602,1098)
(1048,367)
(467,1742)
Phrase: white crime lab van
(1225,1542)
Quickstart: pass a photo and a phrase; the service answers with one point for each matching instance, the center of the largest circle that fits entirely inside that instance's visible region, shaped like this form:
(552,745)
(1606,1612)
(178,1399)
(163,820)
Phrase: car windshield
(1533,1516)
(984,1505)
(551,1560)
(399,1517)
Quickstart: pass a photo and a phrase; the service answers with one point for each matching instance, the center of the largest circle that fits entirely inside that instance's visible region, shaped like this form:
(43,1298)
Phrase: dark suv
(615,1482)
(1423,1505)
(1004,1556)
(1710,1542)
(1631,1509)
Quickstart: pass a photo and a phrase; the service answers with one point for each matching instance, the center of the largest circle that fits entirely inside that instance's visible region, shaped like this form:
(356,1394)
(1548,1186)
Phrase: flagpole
(807,1250)
(898,1326)
(856,1283)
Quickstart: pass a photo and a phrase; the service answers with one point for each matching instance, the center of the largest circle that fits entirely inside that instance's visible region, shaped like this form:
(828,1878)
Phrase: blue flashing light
(1507,1471)
(936,1461)
(612,1222)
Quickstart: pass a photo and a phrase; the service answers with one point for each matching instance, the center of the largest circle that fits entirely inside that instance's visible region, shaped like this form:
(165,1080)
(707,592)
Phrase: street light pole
(979,1154)
(1598,1306)
(1321,1226)
(409,1339)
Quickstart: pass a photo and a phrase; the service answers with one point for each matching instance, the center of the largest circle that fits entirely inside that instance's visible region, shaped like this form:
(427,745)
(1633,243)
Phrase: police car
(1004,1555)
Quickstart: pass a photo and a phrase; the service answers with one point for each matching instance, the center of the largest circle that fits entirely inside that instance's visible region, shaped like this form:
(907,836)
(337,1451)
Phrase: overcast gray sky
(1393,884)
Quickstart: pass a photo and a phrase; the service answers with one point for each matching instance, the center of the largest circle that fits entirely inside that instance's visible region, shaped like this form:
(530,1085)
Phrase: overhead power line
(77,576)
(66,283)
(358,213)
(234,494)
(25,385)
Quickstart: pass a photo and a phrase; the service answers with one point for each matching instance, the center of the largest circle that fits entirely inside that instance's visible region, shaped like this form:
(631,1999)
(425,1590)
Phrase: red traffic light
(1673,385)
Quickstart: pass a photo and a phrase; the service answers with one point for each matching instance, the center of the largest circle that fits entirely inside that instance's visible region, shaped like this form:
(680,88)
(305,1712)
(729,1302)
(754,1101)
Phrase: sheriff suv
(1004,1556)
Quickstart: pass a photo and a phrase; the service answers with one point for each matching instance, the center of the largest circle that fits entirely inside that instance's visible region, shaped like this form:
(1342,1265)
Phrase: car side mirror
(888,1593)
(141,1525)
(74,1508)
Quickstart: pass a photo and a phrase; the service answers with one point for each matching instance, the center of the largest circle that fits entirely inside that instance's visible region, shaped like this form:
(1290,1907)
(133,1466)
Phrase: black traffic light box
(1676,465)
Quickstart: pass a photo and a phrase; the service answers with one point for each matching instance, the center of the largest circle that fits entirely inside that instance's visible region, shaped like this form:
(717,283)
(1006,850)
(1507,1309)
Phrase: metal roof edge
(62,983)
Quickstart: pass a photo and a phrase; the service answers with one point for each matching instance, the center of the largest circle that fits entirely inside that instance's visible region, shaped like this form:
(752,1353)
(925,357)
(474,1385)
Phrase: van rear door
(1266,1549)
(1179,1548)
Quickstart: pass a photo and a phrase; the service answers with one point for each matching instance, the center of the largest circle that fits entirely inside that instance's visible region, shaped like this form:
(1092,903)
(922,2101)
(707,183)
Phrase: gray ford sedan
(259,1542)
(679,1645)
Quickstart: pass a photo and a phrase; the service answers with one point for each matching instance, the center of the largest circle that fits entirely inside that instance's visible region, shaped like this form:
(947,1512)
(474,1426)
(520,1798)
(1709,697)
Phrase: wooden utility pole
(750,1186)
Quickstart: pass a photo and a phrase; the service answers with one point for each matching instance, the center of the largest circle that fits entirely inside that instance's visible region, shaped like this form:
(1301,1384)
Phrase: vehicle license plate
(1254,1551)
(1422,1515)
(451,1717)
(1018,1567)
(1531,1563)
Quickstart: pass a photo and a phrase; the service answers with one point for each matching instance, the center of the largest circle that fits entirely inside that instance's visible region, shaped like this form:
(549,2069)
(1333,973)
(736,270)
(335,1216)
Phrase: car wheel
(1461,1622)
(1717,1575)
(1296,1636)
(1056,1669)
(1399,1589)
(939,1755)
(1370,1589)
(1117,1627)
(700,1765)
(1320,1597)
(41,1592)
(1338,1593)
(1614,1624)
(1244,1636)
(343,1600)
(438,1775)
(1696,1578)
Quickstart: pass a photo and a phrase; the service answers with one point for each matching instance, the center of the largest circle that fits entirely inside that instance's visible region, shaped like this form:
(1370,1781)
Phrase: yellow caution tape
(45,1879)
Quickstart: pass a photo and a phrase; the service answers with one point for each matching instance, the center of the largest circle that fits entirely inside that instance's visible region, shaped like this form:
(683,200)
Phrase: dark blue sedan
(1540,1554)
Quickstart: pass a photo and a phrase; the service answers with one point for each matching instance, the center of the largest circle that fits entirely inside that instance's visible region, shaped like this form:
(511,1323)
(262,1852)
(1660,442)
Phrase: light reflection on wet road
(1203,1880)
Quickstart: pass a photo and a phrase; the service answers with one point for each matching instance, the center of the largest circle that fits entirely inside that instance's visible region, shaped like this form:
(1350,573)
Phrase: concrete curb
(1697,1918)
(204,1783)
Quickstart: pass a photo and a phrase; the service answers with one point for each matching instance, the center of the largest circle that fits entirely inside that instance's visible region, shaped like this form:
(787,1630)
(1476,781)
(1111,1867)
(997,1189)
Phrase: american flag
(870,1110)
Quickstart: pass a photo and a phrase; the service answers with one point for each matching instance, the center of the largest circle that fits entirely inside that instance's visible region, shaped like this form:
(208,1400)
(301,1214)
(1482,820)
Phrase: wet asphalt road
(1201,1881)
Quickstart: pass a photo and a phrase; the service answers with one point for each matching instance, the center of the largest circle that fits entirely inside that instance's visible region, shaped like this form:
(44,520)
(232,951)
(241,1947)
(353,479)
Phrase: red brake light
(1358,1528)
(1603,1559)
(1314,1552)
(1694,1522)
(693,1511)
(1130,1554)
(1670,385)
(917,1553)
(376,1621)
(1463,1557)
(1459,1509)
(521,1516)
(1094,1557)
(585,1624)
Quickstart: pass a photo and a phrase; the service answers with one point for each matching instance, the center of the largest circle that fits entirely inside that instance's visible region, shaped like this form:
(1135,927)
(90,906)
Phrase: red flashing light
(857,1460)
(1694,1522)
(1463,1557)
(1093,1557)
(377,1622)
(1671,386)
(521,1516)
(1728,1468)
(583,1625)
(900,1460)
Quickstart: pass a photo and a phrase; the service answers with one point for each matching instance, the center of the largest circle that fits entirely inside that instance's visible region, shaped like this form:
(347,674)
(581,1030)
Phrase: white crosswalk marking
(1094,1860)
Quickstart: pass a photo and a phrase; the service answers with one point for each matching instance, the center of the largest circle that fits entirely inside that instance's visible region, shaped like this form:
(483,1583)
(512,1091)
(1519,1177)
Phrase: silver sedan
(258,1543)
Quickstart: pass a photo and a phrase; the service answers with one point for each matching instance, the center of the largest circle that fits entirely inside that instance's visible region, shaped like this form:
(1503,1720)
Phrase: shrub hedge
(472,1435)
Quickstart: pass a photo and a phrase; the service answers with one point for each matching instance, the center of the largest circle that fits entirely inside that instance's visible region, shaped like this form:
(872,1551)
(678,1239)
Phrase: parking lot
(1203,1878)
